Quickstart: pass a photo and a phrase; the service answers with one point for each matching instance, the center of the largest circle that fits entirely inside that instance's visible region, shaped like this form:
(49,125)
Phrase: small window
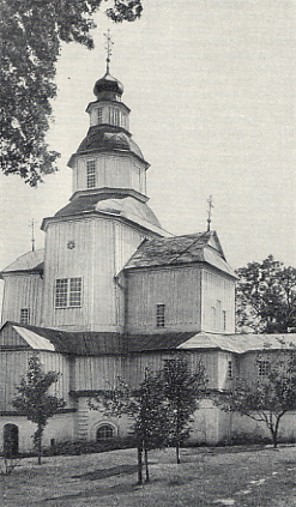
(160,315)
(224,320)
(114,116)
(263,368)
(100,116)
(105,432)
(91,173)
(68,292)
(25,316)
(229,370)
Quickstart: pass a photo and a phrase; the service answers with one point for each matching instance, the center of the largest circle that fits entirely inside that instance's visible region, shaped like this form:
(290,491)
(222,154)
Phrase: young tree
(31,33)
(145,408)
(34,401)
(266,297)
(268,399)
(182,391)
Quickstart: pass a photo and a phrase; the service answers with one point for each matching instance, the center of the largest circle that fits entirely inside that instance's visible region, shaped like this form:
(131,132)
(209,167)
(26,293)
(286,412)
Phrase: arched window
(105,432)
(11,440)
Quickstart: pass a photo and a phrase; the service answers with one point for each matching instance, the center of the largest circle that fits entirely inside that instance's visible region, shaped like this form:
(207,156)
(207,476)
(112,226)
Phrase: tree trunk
(178,452)
(140,464)
(39,443)
(146,465)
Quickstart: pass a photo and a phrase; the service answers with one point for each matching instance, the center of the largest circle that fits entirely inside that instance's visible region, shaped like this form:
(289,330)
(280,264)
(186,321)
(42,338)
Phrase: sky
(211,86)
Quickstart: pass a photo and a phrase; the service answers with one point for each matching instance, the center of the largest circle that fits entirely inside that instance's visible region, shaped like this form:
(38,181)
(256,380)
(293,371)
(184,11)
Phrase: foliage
(182,390)
(31,33)
(145,408)
(8,464)
(266,297)
(34,401)
(267,399)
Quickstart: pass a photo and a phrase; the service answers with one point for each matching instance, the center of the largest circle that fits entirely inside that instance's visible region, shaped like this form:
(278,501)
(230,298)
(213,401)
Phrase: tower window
(68,292)
(213,317)
(91,173)
(25,316)
(100,116)
(114,116)
(160,315)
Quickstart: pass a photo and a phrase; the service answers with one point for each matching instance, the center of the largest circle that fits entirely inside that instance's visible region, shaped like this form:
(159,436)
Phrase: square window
(68,292)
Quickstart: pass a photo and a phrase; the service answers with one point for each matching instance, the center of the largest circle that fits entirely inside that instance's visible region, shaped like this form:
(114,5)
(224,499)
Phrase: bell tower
(90,239)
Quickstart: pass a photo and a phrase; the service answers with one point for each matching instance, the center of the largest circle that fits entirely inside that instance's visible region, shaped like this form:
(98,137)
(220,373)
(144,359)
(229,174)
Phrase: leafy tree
(182,390)
(145,408)
(31,32)
(34,401)
(266,297)
(269,398)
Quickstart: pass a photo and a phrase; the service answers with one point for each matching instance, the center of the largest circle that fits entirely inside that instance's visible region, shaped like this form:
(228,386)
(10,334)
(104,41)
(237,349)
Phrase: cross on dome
(108,47)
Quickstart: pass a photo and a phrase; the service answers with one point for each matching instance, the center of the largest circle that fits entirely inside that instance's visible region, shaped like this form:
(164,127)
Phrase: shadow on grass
(107,472)
(98,492)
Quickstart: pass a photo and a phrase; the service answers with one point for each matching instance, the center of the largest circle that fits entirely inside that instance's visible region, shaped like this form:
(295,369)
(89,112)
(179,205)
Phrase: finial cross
(211,206)
(108,47)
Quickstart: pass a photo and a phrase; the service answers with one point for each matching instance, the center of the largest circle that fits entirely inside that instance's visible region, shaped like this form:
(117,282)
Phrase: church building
(112,292)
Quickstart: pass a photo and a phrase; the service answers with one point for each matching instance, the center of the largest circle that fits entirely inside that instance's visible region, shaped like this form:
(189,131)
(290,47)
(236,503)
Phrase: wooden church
(112,292)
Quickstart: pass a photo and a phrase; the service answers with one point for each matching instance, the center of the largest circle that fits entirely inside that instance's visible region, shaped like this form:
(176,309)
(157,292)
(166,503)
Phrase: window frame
(71,293)
(25,316)
(160,315)
(91,173)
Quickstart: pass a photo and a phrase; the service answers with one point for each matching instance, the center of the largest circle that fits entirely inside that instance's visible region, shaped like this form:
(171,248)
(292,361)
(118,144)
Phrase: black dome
(108,83)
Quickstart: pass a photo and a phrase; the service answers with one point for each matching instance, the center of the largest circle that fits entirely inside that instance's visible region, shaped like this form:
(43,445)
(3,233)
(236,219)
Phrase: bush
(77,447)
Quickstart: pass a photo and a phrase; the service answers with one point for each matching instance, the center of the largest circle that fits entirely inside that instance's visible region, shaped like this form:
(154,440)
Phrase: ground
(237,476)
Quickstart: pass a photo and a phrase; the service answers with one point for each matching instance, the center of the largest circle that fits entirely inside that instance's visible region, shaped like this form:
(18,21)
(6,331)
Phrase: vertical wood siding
(22,291)
(133,366)
(113,171)
(96,372)
(177,288)
(217,292)
(102,247)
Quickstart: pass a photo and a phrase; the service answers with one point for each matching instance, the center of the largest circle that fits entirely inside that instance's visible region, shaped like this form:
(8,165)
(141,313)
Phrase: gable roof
(201,247)
(30,261)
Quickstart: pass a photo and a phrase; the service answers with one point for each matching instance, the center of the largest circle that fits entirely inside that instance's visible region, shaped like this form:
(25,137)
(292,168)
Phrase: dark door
(11,440)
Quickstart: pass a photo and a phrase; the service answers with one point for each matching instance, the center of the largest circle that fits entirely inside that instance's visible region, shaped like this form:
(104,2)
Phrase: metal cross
(108,47)
(211,206)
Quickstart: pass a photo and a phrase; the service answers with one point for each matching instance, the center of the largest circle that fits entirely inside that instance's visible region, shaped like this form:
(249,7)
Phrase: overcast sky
(211,86)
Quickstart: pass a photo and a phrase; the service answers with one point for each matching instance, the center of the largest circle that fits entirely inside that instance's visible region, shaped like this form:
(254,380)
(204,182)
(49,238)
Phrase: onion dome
(108,85)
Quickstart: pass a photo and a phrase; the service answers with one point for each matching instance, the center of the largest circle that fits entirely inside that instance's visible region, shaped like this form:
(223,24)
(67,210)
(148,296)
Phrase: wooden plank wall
(22,291)
(177,288)
(217,287)
(102,247)
(113,171)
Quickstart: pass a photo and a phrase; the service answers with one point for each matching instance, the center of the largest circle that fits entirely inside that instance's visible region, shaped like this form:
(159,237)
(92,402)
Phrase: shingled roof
(202,247)
(30,261)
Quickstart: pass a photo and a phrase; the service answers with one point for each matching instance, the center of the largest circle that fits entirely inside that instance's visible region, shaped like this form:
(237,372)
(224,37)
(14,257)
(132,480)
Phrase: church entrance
(11,440)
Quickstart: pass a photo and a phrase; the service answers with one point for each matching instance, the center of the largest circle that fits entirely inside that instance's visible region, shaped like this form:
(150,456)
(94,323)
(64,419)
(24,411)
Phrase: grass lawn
(241,477)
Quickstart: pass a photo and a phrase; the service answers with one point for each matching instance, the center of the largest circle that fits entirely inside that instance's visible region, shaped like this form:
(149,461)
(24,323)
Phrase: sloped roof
(30,261)
(82,343)
(236,343)
(190,248)
(120,205)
